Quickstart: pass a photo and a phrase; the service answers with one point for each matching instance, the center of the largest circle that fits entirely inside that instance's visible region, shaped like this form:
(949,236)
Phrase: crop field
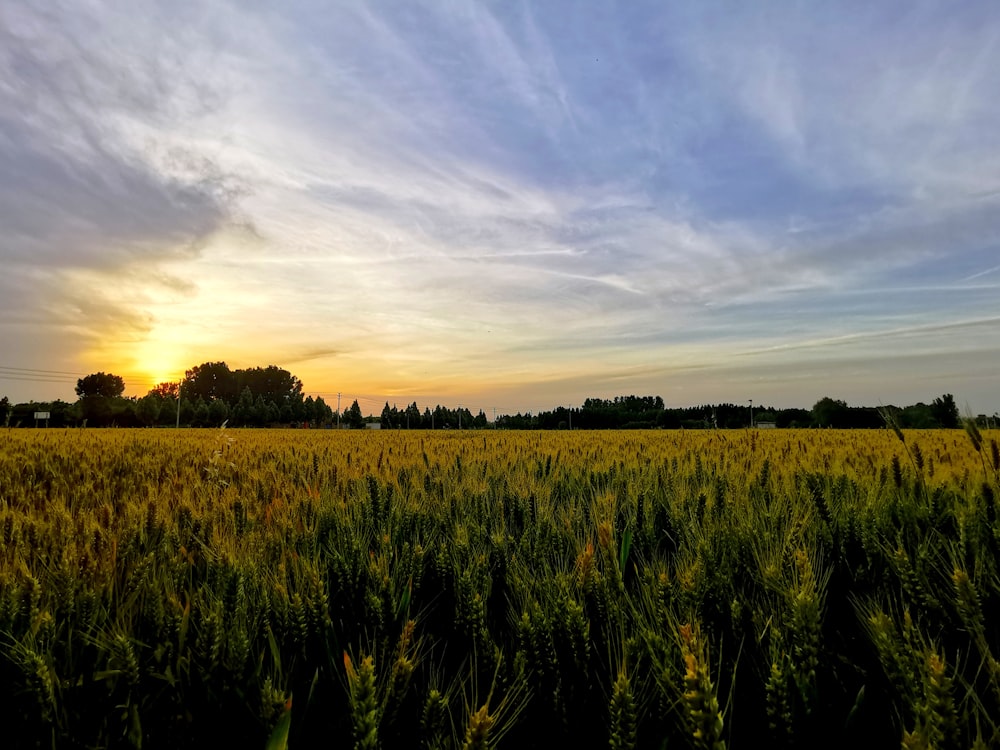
(396,589)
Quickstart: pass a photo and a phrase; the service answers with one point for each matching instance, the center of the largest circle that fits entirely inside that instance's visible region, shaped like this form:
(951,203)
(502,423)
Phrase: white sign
(41,415)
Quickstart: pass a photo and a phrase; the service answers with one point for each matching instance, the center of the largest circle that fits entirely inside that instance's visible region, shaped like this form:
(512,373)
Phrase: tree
(96,410)
(296,408)
(101,384)
(5,411)
(147,409)
(386,419)
(324,414)
(211,380)
(353,416)
(243,411)
(200,417)
(187,411)
(945,411)
(271,383)
(164,391)
(218,412)
(828,412)
(260,411)
(271,413)
(918,416)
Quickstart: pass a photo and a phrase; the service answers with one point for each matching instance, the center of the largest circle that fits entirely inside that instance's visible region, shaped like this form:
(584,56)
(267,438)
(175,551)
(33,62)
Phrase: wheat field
(397,589)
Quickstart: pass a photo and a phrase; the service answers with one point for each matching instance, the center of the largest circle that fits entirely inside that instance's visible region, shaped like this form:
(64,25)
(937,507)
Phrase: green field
(255,588)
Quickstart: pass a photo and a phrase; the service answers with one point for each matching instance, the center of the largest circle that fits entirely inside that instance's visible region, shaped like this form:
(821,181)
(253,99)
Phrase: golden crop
(169,588)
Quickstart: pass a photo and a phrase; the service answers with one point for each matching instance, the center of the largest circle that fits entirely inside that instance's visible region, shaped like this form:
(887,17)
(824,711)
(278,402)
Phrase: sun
(153,365)
(163,372)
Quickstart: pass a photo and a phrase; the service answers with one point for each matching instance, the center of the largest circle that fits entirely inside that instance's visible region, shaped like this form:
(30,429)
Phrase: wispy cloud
(417,196)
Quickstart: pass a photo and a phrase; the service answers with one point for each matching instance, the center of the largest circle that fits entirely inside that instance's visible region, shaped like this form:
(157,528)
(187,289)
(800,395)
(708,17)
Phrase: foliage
(353,418)
(165,391)
(945,411)
(828,412)
(211,380)
(100,385)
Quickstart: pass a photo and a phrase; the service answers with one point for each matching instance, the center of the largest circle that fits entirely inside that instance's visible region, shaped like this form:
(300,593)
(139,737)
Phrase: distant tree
(187,411)
(101,384)
(945,411)
(324,414)
(353,416)
(200,417)
(61,413)
(218,412)
(271,383)
(243,412)
(211,380)
(309,410)
(147,409)
(918,416)
(164,391)
(793,418)
(297,408)
(5,411)
(260,411)
(386,419)
(272,413)
(828,412)
(96,410)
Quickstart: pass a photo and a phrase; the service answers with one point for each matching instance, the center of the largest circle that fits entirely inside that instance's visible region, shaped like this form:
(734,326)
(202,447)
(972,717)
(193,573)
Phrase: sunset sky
(505,204)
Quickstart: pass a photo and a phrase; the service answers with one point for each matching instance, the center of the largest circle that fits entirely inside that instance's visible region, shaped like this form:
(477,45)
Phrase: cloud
(94,197)
(448,194)
(72,179)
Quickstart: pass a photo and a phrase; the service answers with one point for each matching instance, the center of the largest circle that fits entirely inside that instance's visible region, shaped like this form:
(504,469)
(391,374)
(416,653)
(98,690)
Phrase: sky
(511,205)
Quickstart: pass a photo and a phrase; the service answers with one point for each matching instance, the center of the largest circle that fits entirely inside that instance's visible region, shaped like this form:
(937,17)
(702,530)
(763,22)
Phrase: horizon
(372,405)
(505,206)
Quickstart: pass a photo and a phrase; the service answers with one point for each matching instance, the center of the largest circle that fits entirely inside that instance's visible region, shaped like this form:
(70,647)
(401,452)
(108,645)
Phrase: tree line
(649,412)
(211,394)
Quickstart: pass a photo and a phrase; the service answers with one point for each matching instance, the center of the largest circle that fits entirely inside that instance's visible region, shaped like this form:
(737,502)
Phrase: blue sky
(511,205)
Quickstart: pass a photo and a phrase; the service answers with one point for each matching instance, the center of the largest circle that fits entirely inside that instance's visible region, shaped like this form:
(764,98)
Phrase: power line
(36,370)
(41,377)
(6,376)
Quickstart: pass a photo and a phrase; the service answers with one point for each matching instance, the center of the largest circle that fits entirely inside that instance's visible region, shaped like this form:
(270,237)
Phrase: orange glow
(146,365)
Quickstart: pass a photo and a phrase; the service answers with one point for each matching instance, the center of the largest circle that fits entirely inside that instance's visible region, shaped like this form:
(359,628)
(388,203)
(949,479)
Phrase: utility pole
(460,416)
(338,410)
(570,410)
(179,383)
(751,412)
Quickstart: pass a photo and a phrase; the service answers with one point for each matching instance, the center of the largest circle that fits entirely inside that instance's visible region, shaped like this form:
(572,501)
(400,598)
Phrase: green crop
(180,588)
